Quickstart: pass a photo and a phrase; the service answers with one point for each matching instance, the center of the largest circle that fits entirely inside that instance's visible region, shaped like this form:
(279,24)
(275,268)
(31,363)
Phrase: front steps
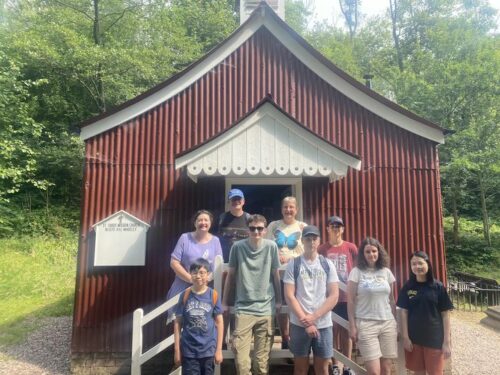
(492,318)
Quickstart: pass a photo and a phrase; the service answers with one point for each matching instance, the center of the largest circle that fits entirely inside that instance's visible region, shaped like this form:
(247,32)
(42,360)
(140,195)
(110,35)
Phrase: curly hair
(383,258)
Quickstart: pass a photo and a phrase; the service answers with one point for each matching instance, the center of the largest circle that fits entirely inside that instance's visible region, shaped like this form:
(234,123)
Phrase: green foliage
(473,255)
(36,280)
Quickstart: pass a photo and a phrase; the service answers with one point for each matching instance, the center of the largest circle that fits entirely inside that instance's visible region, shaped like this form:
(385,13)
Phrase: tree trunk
(393,5)
(484,210)
(98,41)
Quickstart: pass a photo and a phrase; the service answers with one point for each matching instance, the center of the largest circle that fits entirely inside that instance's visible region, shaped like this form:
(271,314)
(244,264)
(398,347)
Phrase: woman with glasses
(199,243)
(425,318)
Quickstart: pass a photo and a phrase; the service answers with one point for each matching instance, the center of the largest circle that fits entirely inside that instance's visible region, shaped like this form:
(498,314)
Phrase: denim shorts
(301,344)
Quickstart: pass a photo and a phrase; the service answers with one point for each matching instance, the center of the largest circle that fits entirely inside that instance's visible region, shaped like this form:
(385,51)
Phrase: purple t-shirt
(186,252)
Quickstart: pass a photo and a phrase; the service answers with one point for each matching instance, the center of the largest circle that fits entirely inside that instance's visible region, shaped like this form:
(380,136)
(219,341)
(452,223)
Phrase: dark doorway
(264,199)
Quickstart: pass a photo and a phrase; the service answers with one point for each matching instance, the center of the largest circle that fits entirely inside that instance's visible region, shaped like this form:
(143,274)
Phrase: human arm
(392,302)
(228,289)
(352,290)
(447,334)
(219,323)
(180,271)
(294,305)
(278,300)
(407,344)
(177,341)
(326,307)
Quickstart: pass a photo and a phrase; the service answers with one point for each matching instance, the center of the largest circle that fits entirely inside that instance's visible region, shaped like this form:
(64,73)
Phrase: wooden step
(492,318)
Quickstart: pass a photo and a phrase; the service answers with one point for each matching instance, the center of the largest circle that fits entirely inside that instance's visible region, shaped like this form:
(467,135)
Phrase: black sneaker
(284,344)
(348,371)
(333,370)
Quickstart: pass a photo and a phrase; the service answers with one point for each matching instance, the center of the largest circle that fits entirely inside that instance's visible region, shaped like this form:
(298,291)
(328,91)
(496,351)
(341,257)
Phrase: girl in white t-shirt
(371,308)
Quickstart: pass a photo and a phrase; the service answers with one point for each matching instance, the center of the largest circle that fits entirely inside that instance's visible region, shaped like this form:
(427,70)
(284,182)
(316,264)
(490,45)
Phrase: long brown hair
(383,258)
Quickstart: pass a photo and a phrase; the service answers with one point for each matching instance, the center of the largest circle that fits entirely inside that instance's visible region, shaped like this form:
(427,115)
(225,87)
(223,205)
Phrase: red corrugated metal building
(148,157)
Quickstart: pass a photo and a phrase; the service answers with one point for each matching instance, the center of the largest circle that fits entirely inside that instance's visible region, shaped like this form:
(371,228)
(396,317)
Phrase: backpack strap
(296,270)
(214,297)
(324,264)
(187,292)
(185,297)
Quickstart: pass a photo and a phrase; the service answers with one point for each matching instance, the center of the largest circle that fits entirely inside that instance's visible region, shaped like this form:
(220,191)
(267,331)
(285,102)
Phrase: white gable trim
(267,143)
(228,47)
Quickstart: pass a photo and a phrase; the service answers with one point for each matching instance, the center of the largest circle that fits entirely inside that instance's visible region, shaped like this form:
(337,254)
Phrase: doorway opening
(263,195)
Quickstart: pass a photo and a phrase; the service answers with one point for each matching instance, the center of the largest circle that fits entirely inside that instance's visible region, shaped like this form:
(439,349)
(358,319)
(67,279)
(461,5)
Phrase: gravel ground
(476,349)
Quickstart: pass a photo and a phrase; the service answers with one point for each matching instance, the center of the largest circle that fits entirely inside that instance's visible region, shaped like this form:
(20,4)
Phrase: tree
(350,10)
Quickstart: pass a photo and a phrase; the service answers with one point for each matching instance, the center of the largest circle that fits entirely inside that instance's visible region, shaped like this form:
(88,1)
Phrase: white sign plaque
(120,241)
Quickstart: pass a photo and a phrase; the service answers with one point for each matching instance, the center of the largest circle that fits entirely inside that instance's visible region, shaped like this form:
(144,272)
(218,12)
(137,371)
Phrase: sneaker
(348,371)
(284,345)
(333,370)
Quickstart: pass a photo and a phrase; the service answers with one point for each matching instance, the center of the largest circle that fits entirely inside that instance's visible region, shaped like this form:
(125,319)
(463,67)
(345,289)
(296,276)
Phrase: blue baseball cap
(233,193)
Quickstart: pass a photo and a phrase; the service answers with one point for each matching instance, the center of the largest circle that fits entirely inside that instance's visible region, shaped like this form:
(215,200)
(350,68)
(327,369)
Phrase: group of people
(255,252)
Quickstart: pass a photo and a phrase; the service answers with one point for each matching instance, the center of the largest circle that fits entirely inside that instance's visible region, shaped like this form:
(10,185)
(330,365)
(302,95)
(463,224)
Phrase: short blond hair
(289,199)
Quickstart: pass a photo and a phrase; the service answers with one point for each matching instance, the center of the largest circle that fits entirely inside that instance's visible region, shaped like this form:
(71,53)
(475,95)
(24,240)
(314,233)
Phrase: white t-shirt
(372,297)
(310,290)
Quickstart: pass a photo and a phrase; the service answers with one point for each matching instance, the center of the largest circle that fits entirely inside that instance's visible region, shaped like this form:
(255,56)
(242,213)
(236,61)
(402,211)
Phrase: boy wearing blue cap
(232,225)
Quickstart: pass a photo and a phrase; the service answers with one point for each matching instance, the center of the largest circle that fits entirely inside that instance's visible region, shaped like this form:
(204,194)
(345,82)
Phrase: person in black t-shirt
(425,320)
(232,225)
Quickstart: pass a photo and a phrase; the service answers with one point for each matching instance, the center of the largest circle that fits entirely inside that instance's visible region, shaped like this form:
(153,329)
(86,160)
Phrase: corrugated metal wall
(396,197)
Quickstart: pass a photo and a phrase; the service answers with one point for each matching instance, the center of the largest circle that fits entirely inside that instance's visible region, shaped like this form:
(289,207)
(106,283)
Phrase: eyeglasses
(199,273)
(258,229)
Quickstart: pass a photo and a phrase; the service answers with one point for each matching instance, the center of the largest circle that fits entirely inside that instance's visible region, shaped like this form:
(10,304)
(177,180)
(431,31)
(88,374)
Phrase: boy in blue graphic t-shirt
(199,313)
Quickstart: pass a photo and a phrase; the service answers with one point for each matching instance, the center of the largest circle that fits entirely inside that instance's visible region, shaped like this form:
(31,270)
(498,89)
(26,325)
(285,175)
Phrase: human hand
(278,306)
(312,331)
(283,259)
(446,350)
(353,333)
(218,357)
(177,358)
(407,344)
(308,320)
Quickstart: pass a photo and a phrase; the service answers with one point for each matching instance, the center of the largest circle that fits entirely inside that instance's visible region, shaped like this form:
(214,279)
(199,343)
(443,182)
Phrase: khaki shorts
(377,338)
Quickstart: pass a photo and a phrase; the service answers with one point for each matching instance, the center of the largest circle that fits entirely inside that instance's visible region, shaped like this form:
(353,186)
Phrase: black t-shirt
(230,229)
(424,303)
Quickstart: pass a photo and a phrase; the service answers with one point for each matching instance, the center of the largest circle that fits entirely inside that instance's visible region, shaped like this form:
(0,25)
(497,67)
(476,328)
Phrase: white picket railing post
(137,342)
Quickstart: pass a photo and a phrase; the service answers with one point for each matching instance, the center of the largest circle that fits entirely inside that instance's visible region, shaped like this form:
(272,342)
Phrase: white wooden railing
(140,320)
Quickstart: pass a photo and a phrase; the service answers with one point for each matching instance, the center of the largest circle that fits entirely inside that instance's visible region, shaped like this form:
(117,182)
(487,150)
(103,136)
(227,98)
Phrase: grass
(37,279)
(472,255)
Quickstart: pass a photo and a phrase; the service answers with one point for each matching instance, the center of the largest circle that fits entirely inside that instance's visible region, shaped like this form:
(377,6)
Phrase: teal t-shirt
(254,270)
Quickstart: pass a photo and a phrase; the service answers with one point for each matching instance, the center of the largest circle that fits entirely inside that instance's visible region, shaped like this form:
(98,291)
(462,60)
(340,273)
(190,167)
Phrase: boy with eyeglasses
(254,271)
(198,324)
(343,254)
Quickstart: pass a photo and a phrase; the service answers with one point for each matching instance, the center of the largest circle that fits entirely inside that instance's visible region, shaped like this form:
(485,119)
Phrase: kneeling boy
(311,291)
(199,314)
